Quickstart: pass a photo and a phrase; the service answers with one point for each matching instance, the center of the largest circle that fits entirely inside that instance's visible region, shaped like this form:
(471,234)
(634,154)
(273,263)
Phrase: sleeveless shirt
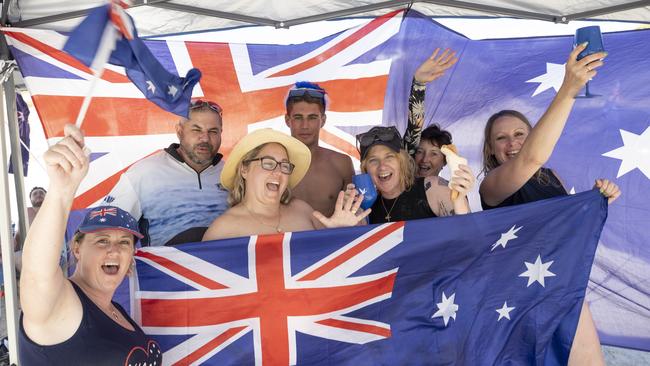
(410,205)
(98,341)
(532,191)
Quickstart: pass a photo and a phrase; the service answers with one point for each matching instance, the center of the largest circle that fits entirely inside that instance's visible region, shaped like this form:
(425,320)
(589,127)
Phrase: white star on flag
(102,220)
(362,190)
(151,87)
(172,90)
(506,237)
(635,153)
(552,79)
(537,271)
(505,310)
(446,309)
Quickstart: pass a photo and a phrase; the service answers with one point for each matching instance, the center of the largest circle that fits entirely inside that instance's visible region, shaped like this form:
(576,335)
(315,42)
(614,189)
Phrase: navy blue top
(532,191)
(98,341)
(410,205)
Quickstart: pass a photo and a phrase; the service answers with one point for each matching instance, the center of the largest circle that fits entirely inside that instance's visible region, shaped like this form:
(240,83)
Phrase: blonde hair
(238,192)
(406,168)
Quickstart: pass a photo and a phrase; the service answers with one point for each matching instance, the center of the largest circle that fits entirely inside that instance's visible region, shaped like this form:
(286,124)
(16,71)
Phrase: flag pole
(88,97)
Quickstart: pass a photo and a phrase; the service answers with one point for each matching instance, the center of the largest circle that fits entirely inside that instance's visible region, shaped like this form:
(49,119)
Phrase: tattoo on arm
(443,210)
(427,185)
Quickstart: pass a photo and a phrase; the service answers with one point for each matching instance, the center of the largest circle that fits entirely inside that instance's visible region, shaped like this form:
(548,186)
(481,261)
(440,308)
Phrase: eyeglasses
(268,163)
(300,92)
(199,103)
(384,134)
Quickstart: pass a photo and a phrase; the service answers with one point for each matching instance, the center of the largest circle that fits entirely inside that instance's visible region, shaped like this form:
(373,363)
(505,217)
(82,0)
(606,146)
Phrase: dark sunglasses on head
(269,163)
(199,103)
(384,134)
(300,92)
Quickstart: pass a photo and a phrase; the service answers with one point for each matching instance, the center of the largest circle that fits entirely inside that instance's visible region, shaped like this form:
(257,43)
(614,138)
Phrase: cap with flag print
(107,218)
(108,33)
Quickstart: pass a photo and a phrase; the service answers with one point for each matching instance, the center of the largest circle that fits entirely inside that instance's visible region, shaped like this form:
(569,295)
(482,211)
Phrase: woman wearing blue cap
(74,321)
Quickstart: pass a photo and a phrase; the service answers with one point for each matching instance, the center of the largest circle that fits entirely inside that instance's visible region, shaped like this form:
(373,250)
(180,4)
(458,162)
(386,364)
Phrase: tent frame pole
(6,243)
(555,18)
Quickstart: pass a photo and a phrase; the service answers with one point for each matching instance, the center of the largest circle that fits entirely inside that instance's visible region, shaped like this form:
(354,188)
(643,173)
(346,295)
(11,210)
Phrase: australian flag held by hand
(108,33)
(490,288)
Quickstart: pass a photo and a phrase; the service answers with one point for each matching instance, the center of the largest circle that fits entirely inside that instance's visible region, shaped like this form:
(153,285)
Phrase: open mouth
(110,268)
(383,177)
(512,154)
(273,186)
(424,169)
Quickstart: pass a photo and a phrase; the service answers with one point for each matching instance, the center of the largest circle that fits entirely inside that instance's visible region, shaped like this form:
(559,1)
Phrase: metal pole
(6,244)
(16,157)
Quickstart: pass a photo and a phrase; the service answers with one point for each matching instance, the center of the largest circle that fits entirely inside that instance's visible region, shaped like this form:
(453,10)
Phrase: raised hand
(578,73)
(346,212)
(608,189)
(435,66)
(462,180)
(66,162)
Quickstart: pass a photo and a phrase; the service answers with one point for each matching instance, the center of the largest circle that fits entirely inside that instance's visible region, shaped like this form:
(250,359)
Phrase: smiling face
(264,185)
(428,159)
(507,136)
(104,258)
(200,138)
(305,121)
(383,165)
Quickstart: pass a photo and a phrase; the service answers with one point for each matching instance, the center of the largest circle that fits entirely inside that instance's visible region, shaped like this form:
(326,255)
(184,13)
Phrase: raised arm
(431,69)
(46,297)
(511,175)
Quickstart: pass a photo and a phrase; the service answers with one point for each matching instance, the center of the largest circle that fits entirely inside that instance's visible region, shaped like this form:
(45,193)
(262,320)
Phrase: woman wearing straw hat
(73,321)
(260,172)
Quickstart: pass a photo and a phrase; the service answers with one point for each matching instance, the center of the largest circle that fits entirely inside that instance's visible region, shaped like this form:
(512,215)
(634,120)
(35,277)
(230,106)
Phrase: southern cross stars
(505,310)
(552,79)
(507,236)
(635,153)
(446,309)
(172,90)
(151,87)
(537,271)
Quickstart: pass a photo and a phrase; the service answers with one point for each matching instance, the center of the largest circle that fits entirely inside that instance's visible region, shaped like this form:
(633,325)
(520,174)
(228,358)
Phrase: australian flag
(109,30)
(489,288)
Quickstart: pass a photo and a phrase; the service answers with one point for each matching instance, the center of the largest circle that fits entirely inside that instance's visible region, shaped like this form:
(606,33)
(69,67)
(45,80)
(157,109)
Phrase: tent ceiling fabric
(155,17)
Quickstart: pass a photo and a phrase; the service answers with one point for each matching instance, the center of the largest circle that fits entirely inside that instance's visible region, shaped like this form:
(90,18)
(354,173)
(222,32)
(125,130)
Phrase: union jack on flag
(103,212)
(273,300)
(122,127)
(389,294)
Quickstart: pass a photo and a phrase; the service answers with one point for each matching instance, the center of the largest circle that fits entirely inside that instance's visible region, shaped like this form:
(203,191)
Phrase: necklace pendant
(387,217)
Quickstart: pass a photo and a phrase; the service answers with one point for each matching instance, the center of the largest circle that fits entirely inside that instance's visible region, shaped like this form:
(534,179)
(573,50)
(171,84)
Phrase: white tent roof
(155,17)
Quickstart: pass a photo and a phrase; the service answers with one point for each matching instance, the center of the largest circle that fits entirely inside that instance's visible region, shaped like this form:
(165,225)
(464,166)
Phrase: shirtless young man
(330,171)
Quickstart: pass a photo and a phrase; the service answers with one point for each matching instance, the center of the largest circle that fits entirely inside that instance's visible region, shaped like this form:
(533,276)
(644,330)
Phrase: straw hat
(299,154)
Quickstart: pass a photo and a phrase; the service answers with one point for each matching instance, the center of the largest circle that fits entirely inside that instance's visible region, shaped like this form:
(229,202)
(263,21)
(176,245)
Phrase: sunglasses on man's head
(199,103)
(384,134)
(268,163)
(301,92)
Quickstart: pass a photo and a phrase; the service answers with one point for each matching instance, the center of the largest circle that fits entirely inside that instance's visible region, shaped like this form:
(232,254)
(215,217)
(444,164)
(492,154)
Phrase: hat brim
(93,229)
(299,155)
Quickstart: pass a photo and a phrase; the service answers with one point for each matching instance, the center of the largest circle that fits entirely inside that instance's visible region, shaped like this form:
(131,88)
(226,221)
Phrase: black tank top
(532,191)
(97,341)
(410,205)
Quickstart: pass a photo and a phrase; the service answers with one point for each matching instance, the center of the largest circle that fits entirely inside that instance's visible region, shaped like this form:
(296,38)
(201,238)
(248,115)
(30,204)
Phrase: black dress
(410,205)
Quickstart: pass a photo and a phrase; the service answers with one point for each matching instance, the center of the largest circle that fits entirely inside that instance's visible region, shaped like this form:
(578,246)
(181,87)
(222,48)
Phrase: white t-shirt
(168,197)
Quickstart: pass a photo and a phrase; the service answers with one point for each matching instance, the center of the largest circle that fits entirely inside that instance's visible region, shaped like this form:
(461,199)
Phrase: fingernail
(606,53)
(584,44)
(86,151)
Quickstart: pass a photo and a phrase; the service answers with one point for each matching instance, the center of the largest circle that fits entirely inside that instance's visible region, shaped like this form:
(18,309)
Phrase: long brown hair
(489,160)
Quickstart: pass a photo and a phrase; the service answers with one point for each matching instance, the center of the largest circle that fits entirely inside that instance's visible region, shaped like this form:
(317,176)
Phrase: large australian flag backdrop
(605,137)
(488,288)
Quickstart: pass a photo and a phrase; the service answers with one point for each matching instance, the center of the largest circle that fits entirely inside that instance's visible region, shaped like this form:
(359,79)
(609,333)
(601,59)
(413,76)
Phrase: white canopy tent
(163,17)
(156,17)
